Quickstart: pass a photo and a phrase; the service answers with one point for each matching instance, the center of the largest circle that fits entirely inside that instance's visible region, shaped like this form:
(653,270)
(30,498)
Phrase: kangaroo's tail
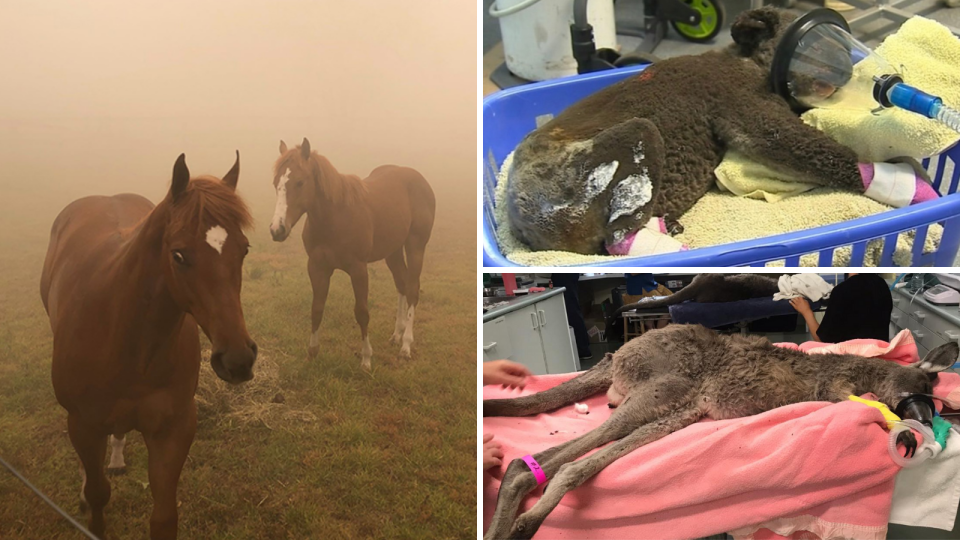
(593,381)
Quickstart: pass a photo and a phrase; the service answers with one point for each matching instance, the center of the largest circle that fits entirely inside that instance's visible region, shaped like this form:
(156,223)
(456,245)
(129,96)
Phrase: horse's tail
(593,381)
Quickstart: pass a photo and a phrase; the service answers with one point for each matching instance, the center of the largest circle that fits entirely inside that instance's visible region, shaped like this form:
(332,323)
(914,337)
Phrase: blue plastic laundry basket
(510,114)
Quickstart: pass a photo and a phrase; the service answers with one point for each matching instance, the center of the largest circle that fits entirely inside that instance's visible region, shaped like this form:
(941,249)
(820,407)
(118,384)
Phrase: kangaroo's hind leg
(651,400)
(572,475)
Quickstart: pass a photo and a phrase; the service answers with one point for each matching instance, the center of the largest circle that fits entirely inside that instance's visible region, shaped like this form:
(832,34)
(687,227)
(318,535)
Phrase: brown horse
(351,223)
(125,285)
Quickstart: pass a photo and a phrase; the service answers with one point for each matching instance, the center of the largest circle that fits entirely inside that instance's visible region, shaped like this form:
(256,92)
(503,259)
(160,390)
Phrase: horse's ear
(181,177)
(283,147)
(234,174)
(305,149)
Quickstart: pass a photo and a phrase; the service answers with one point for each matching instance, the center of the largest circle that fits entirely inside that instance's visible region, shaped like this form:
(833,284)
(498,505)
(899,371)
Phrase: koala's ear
(753,27)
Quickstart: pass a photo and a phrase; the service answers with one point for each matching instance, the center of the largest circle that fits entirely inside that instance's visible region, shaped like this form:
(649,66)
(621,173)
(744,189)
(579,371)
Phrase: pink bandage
(535,468)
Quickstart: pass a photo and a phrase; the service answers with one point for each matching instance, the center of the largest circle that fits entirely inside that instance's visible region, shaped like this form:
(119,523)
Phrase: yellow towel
(929,55)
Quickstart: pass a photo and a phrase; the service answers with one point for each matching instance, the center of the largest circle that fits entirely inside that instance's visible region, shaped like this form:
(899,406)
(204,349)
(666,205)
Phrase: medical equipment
(818,64)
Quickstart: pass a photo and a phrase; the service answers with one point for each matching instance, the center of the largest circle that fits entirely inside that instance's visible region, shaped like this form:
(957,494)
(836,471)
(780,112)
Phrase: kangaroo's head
(903,381)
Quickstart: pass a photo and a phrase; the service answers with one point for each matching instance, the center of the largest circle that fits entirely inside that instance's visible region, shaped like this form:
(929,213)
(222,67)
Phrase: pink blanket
(809,470)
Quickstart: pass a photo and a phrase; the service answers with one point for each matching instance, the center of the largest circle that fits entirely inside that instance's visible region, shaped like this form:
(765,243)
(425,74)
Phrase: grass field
(347,454)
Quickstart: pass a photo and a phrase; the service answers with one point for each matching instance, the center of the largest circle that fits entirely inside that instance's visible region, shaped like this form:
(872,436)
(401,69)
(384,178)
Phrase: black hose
(580,13)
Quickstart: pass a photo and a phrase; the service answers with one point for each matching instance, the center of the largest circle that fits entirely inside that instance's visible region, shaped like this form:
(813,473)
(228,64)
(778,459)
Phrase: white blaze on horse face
(280,212)
(216,237)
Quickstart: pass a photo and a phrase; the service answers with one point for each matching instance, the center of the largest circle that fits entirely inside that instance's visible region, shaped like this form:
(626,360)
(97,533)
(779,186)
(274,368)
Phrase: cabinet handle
(490,346)
(543,318)
(919,315)
(533,318)
(951,335)
(895,316)
(896,301)
(918,335)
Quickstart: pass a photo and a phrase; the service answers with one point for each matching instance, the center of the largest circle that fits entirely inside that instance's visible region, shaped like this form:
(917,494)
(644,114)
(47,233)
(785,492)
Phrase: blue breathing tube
(890,90)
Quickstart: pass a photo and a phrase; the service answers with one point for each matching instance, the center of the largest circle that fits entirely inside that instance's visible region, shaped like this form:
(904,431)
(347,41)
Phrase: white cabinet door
(524,329)
(496,340)
(555,335)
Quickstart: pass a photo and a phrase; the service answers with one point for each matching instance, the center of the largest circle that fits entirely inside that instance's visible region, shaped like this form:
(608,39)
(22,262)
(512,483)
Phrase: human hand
(509,374)
(801,305)
(492,454)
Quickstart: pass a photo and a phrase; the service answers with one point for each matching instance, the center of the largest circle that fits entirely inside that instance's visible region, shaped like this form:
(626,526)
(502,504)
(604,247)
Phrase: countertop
(951,313)
(521,301)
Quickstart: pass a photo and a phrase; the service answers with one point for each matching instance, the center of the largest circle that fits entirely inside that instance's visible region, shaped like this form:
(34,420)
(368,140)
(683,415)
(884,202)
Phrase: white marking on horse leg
(401,318)
(280,211)
(216,237)
(407,334)
(116,454)
(367,354)
(83,487)
(314,343)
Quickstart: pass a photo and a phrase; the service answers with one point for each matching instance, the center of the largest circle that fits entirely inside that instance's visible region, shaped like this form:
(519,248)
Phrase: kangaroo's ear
(941,358)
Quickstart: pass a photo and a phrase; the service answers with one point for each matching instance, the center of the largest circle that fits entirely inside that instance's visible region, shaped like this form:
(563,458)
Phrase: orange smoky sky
(101,97)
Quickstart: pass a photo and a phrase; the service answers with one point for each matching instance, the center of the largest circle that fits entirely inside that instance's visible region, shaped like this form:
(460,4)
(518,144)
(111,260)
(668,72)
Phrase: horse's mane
(336,187)
(207,196)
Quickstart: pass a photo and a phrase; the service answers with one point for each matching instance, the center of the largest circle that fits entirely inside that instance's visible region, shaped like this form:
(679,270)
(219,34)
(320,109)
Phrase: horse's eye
(178,257)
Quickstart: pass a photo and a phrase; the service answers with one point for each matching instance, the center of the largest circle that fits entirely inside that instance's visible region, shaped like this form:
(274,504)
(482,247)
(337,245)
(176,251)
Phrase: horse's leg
(320,279)
(167,451)
(117,465)
(358,276)
(92,449)
(399,270)
(414,248)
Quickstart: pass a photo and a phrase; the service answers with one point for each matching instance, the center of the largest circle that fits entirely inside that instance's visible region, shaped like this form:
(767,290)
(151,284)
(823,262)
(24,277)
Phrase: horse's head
(295,178)
(203,251)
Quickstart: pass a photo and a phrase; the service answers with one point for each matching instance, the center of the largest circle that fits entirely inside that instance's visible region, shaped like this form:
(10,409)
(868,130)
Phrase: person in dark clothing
(574,316)
(859,308)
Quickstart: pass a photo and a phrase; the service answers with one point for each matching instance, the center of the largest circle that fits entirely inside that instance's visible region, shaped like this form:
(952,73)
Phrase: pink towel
(809,470)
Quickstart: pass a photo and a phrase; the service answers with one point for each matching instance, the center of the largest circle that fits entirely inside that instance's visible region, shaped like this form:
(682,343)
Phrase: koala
(646,147)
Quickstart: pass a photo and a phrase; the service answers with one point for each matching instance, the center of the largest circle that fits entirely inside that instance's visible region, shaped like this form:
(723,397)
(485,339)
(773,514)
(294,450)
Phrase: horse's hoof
(405,353)
(83,506)
(117,471)
(396,338)
(312,352)
(366,366)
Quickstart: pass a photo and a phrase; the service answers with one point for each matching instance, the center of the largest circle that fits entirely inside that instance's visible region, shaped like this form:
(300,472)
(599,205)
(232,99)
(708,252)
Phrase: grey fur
(710,288)
(667,379)
(670,125)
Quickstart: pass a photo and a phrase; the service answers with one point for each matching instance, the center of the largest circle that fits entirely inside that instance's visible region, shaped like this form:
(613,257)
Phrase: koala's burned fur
(648,145)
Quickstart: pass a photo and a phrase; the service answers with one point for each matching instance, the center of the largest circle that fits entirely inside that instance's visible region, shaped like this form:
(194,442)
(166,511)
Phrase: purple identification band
(535,468)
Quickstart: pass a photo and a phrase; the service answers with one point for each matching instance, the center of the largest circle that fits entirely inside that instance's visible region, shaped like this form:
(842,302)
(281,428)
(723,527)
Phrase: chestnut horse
(351,223)
(125,285)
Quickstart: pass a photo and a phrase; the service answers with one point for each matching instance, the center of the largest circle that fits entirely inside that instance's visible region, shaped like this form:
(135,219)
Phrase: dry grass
(346,454)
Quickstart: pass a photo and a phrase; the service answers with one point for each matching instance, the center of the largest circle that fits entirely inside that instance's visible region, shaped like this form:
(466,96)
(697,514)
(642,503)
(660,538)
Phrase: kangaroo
(667,379)
(714,288)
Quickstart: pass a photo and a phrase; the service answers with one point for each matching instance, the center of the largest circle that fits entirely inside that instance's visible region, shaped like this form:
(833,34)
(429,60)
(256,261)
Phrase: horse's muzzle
(279,234)
(235,366)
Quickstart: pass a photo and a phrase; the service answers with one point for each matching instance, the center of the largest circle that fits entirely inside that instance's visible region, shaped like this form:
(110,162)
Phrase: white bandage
(893,183)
